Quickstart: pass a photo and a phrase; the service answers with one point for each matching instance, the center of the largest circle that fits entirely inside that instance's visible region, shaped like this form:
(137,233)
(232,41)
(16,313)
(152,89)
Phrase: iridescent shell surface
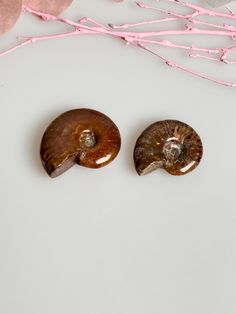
(168,144)
(81,136)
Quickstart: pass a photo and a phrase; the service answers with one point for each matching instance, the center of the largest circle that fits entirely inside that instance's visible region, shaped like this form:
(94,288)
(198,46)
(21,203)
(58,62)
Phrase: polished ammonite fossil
(168,144)
(81,136)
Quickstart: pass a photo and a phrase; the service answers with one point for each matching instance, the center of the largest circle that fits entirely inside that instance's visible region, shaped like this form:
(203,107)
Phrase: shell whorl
(83,136)
(168,144)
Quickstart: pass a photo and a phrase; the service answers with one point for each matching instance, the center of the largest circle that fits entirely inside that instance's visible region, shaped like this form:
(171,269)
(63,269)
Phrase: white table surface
(108,241)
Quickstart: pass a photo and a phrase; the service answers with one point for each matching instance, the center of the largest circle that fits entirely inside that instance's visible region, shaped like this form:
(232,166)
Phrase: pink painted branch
(30,40)
(144,23)
(130,39)
(104,30)
(189,17)
(170,44)
(142,5)
(195,55)
(223,59)
(202,10)
(101,29)
(187,31)
(177,66)
(225,27)
(142,39)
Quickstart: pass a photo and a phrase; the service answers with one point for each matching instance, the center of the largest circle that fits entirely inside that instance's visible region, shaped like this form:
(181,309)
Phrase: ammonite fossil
(81,136)
(9,13)
(53,7)
(169,144)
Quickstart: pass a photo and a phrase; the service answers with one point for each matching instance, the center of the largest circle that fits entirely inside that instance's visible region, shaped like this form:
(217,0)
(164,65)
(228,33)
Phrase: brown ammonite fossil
(81,136)
(168,144)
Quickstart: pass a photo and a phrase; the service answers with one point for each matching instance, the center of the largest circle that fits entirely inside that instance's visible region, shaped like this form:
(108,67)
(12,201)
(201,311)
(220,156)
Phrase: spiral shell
(81,136)
(53,7)
(169,144)
(9,13)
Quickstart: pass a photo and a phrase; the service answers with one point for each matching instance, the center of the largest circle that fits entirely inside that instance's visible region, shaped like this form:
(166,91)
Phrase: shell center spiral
(88,139)
(172,149)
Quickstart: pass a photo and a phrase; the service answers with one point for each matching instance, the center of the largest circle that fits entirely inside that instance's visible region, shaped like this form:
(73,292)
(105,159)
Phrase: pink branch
(175,65)
(144,23)
(141,39)
(201,10)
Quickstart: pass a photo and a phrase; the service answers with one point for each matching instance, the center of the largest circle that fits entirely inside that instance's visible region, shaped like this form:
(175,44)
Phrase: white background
(108,241)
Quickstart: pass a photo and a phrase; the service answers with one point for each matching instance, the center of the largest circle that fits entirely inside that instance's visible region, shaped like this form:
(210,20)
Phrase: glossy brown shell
(53,7)
(169,144)
(64,142)
(9,13)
